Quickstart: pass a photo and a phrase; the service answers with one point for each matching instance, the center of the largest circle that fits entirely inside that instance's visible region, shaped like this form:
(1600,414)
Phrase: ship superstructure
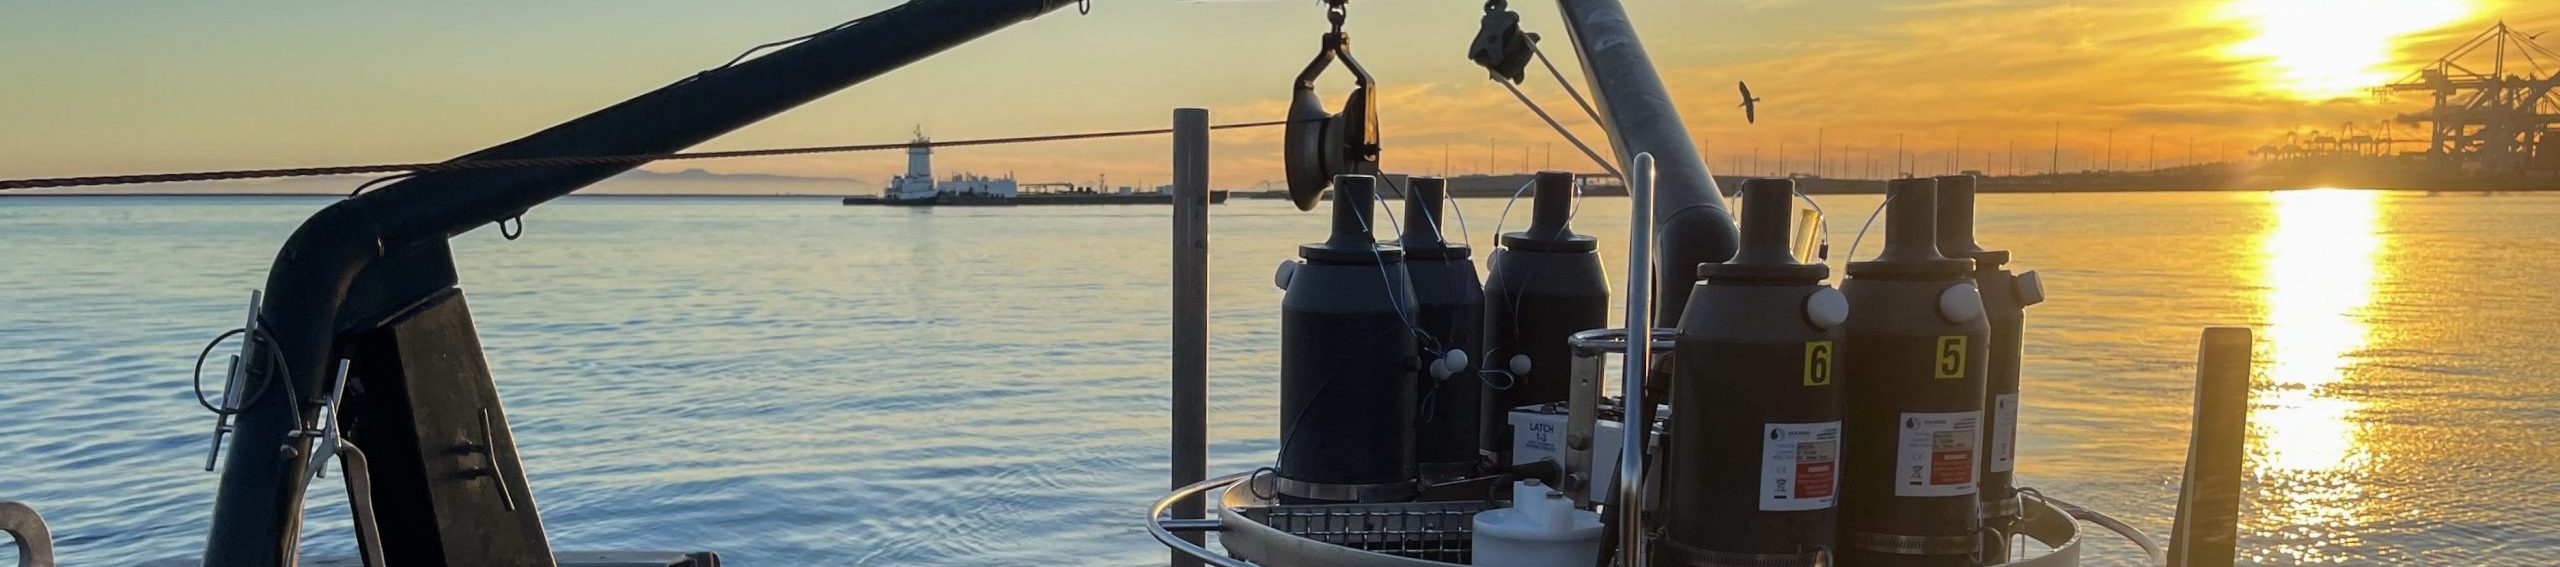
(918,188)
(917,185)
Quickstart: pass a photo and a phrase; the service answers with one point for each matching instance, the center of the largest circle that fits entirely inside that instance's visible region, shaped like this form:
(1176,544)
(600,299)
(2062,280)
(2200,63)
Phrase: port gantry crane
(2498,119)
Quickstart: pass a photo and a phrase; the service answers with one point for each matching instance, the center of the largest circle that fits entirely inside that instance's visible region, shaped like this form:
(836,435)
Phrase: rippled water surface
(793,382)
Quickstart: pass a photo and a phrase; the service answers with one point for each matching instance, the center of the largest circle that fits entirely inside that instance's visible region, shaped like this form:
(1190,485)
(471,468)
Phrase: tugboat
(918,188)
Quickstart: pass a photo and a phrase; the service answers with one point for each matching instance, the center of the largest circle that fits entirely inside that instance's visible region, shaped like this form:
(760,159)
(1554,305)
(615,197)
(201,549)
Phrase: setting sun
(2322,49)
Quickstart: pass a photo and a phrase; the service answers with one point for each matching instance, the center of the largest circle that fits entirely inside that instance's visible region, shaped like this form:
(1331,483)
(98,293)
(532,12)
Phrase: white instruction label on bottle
(2004,433)
(1799,466)
(1937,454)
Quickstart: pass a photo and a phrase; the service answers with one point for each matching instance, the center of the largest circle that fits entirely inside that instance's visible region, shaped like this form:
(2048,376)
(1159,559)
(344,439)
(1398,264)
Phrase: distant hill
(702,175)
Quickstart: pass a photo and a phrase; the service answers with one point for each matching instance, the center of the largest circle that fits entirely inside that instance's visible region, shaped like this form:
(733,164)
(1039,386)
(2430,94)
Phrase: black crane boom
(359,266)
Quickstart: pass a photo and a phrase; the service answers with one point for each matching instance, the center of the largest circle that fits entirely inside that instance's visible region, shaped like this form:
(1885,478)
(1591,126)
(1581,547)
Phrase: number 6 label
(1817,363)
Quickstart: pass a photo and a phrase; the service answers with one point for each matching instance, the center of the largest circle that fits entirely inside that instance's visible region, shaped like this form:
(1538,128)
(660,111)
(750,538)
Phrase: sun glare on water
(2323,49)
(2312,452)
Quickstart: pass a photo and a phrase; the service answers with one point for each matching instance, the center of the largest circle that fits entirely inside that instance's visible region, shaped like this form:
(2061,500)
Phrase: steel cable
(563,161)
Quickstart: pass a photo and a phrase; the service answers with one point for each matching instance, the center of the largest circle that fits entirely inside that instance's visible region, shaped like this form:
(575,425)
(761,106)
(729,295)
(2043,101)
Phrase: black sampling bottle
(2005,297)
(1545,284)
(1451,319)
(1347,363)
(1755,403)
(1916,343)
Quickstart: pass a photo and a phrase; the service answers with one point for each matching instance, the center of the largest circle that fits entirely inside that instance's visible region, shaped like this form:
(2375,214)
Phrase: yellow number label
(1817,363)
(1950,357)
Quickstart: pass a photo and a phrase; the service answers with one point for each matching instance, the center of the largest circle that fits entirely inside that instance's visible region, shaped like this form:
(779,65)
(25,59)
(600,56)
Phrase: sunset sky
(130,87)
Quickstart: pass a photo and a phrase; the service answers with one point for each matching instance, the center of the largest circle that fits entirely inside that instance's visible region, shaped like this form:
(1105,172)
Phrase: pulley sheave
(1319,144)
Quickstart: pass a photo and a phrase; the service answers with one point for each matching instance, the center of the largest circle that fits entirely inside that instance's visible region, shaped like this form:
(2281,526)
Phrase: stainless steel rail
(2127,531)
(1163,528)
(1629,503)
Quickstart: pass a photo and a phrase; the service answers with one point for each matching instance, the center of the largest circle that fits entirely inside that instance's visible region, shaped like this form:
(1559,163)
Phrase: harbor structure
(919,188)
(2498,119)
(917,185)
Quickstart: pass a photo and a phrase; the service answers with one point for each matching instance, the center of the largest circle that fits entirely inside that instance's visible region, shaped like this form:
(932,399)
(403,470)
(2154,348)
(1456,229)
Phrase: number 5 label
(1950,357)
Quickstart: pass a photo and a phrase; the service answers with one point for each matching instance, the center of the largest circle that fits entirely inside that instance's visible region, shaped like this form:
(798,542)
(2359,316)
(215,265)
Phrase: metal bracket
(1584,402)
(1581,422)
(488,448)
(327,434)
(222,419)
(331,443)
(231,380)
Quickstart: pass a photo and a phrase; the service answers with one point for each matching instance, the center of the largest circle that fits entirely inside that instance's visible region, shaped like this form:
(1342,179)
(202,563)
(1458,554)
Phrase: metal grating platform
(1432,531)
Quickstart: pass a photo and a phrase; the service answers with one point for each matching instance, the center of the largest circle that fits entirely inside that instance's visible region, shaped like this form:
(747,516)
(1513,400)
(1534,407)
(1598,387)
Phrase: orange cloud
(1857,74)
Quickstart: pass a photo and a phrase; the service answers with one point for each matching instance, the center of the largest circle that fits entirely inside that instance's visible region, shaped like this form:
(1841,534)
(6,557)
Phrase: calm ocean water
(793,382)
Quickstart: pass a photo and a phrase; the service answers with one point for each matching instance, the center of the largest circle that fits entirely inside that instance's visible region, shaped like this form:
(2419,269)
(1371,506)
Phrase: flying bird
(1750,104)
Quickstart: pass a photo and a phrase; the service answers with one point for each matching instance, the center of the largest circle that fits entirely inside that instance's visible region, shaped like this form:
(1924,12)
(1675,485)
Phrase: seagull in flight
(1750,104)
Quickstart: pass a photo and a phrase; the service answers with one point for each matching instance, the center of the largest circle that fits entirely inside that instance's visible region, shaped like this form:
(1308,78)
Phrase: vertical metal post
(2206,532)
(1630,501)
(1190,312)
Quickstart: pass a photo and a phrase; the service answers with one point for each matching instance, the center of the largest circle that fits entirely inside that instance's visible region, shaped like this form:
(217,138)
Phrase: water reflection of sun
(2323,49)
(2321,260)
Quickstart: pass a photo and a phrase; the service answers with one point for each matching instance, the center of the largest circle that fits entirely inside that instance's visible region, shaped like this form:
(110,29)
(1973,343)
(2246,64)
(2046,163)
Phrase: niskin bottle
(1451,317)
(1347,362)
(2005,297)
(1755,404)
(1917,340)
(1546,285)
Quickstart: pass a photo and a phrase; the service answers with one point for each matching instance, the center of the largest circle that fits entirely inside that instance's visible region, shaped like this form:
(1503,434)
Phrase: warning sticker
(1799,466)
(1937,454)
(2004,433)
